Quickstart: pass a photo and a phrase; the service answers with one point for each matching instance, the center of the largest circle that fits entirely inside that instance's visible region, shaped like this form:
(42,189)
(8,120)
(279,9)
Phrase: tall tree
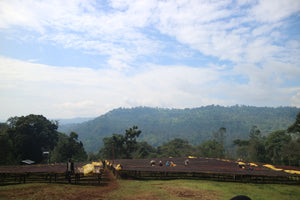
(292,151)
(144,150)
(120,146)
(256,145)
(31,135)
(243,148)
(219,136)
(6,147)
(295,127)
(274,144)
(255,133)
(68,147)
(211,148)
(176,148)
(130,140)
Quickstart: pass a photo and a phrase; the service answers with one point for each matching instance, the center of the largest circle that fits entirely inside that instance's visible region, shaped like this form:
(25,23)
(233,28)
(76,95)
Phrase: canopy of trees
(194,125)
(27,137)
(280,147)
(119,146)
(31,135)
(295,128)
(175,148)
(68,147)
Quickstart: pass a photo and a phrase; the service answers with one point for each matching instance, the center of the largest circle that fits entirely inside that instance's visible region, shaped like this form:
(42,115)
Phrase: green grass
(154,189)
(198,189)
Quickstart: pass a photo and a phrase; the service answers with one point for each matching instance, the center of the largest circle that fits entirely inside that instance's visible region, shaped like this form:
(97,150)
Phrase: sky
(83,58)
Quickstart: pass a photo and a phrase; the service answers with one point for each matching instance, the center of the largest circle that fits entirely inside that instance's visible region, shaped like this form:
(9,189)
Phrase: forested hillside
(195,125)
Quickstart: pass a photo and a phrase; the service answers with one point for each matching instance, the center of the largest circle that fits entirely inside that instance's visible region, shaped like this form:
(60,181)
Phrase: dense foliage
(194,125)
(68,147)
(119,146)
(277,147)
(116,147)
(27,137)
(280,147)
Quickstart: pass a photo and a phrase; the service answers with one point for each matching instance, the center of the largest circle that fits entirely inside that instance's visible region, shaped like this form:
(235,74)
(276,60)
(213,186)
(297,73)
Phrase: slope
(196,125)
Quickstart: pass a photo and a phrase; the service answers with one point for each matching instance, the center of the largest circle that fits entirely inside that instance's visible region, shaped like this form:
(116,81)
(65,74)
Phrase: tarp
(272,167)
(253,164)
(119,167)
(97,164)
(241,163)
(89,169)
(277,169)
(292,171)
(192,157)
(225,160)
(172,165)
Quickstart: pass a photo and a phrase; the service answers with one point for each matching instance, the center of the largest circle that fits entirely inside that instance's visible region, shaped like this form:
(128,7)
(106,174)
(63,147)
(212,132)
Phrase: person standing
(70,169)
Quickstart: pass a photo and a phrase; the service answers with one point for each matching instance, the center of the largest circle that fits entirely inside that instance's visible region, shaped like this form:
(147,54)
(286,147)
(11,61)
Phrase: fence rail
(45,177)
(168,175)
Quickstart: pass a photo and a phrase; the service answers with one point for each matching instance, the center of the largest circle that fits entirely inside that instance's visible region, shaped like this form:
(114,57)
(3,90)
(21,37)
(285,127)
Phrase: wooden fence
(169,175)
(45,177)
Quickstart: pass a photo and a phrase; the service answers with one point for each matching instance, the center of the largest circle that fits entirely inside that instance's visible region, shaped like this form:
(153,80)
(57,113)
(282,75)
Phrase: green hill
(196,125)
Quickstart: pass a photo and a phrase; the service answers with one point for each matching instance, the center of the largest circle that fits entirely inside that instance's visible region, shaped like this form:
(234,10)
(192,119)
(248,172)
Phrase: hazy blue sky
(82,58)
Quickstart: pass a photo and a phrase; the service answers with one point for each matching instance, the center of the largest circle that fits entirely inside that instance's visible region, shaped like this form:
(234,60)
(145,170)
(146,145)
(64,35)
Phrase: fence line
(169,175)
(48,177)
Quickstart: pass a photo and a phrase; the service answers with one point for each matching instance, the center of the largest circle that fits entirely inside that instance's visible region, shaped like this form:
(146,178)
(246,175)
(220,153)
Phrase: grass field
(197,189)
(132,189)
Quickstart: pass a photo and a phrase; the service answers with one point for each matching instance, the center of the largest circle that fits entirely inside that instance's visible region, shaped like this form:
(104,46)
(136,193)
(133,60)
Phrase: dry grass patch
(187,193)
(44,191)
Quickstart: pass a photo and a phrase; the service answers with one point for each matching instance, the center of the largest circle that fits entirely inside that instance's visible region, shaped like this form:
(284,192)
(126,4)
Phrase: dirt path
(61,191)
(109,181)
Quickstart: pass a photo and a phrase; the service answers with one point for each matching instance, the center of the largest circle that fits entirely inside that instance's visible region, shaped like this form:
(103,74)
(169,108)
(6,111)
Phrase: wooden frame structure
(49,177)
(226,177)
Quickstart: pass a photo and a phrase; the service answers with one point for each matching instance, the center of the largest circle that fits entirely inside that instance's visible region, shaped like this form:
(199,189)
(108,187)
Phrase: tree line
(280,147)
(28,137)
(36,138)
(195,125)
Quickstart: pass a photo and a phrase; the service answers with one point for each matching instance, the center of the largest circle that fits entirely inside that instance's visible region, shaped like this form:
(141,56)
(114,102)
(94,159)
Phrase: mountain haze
(76,120)
(195,125)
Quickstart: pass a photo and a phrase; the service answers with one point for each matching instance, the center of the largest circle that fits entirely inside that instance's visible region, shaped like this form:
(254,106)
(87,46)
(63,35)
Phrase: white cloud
(71,92)
(245,35)
(295,100)
(275,10)
(215,28)
(76,105)
(79,25)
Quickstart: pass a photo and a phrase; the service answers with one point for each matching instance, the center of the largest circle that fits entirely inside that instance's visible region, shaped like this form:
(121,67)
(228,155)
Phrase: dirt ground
(62,191)
(192,194)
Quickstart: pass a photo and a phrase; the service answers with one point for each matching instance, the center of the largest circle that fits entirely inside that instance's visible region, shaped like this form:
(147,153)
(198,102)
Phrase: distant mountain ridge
(196,125)
(76,120)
